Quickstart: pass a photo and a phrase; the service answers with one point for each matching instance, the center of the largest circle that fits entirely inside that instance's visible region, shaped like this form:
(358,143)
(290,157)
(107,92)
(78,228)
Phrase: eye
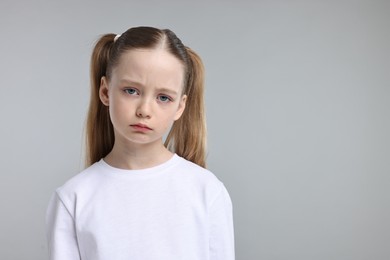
(131,91)
(164,98)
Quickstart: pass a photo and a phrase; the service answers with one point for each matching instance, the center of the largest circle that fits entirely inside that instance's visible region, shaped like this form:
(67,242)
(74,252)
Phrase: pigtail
(99,129)
(187,137)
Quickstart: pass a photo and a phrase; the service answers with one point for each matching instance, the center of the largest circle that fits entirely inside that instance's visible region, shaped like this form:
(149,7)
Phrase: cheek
(169,112)
(113,114)
(164,116)
(118,111)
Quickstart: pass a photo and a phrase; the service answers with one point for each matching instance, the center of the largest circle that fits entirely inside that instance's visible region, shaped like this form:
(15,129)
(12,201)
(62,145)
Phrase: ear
(103,91)
(181,108)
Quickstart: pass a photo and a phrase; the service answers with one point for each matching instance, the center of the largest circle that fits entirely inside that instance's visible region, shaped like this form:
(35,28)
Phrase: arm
(60,231)
(221,228)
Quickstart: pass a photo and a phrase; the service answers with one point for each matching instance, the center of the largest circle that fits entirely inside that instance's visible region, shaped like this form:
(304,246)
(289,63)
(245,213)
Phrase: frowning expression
(144,94)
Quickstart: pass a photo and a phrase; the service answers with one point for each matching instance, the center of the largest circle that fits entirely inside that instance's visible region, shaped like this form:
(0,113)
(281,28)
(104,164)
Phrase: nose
(143,109)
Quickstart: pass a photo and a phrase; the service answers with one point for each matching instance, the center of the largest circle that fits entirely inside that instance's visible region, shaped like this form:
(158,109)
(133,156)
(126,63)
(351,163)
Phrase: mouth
(141,127)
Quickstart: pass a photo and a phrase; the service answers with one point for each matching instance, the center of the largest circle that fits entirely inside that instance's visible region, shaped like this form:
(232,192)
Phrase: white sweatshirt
(174,211)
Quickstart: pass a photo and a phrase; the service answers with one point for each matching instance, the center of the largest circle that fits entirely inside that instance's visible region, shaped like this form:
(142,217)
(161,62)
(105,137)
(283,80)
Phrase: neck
(137,156)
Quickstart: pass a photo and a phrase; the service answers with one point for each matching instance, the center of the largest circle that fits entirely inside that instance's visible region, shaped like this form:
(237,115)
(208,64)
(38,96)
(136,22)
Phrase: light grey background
(298,103)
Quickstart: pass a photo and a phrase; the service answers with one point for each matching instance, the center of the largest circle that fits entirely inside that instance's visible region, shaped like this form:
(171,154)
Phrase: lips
(141,127)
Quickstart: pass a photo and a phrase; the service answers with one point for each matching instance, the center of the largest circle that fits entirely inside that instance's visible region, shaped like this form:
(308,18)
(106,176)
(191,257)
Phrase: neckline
(155,169)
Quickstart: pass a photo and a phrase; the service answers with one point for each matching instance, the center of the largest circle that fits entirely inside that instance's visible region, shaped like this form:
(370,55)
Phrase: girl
(141,199)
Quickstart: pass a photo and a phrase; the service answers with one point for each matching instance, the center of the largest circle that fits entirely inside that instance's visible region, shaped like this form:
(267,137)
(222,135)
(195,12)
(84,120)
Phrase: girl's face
(144,95)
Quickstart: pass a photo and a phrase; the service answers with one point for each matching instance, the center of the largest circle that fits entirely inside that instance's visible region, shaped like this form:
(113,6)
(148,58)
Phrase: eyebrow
(164,90)
(167,90)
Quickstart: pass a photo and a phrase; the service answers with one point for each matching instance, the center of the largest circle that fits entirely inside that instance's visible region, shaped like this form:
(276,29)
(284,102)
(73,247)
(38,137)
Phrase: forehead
(150,67)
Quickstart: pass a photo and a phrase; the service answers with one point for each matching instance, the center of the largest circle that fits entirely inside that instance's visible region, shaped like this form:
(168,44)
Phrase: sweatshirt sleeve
(221,228)
(60,231)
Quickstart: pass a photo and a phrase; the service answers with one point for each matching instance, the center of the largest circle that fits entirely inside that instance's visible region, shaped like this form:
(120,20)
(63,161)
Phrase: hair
(187,136)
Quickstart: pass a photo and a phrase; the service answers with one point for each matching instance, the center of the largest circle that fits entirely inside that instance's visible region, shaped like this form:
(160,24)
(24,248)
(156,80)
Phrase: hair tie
(116,37)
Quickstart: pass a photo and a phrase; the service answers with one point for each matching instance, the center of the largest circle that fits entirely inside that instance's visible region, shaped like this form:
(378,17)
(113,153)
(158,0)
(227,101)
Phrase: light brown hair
(187,136)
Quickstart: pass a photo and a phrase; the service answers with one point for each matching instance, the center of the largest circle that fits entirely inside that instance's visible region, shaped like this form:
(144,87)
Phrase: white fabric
(174,211)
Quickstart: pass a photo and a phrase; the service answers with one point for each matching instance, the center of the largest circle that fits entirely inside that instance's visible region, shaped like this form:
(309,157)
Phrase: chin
(144,141)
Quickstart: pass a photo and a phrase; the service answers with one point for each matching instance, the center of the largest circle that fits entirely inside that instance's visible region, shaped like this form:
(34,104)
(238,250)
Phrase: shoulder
(83,182)
(202,178)
(192,169)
